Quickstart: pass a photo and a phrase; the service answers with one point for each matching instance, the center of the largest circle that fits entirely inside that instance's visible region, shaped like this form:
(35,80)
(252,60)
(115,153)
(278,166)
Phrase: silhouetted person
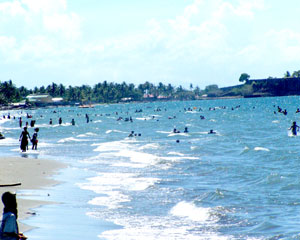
(131,134)
(1,136)
(34,139)
(9,227)
(20,122)
(294,128)
(32,122)
(24,139)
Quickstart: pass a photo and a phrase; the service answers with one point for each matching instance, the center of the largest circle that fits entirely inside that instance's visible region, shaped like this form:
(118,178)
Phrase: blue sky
(202,42)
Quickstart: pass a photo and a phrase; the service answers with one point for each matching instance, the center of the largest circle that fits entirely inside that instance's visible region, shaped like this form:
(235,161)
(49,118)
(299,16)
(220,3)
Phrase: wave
(88,134)
(176,153)
(261,149)
(113,131)
(111,185)
(70,139)
(191,211)
(9,142)
(150,146)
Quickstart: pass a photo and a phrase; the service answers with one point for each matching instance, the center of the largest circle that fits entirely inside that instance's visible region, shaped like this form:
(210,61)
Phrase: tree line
(105,92)
(109,92)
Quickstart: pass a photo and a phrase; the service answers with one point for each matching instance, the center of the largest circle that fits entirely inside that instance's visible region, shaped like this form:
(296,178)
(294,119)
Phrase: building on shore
(43,100)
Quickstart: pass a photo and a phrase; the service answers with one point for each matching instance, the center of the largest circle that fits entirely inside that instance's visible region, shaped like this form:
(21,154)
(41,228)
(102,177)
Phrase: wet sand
(31,174)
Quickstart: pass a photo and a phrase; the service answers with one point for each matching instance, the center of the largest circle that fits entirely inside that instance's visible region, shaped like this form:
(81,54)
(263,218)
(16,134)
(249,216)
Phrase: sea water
(240,183)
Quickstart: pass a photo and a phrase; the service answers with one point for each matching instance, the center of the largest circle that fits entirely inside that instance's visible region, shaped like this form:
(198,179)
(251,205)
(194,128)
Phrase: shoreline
(31,174)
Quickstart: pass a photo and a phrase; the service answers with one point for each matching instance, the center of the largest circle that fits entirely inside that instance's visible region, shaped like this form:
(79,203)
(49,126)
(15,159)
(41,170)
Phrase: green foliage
(296,74)
(9,93)
(244,77)
(287,74)
(246,89)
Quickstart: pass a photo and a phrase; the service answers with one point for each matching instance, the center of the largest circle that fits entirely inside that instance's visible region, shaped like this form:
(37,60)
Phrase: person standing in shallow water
(24,139)
(34,139)
(9,229)
(294,128)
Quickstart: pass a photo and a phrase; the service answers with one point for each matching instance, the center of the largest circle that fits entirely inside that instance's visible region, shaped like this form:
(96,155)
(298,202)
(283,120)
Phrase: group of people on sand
(24,139)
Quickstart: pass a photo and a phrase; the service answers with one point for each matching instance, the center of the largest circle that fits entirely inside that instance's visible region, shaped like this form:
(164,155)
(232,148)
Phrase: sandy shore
(32,174)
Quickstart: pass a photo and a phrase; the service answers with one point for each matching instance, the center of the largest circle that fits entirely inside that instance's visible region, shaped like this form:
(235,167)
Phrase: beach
(31,174)
(238,183)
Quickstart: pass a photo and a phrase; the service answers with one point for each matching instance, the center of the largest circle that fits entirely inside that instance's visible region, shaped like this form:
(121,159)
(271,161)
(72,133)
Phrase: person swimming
(1,136)
(294,128)
(176,131)
(131,134)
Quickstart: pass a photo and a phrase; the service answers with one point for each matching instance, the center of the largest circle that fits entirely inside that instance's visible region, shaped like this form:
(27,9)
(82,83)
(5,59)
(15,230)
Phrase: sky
(181,42)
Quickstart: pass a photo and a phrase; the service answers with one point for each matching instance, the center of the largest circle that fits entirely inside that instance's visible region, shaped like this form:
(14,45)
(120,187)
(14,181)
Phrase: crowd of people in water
(25,137)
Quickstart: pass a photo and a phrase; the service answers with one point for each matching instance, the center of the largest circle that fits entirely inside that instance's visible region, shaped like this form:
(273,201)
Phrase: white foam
(150,146)
(111,185)
(159,227)
(9,142)
(178,159)
(261,149)
(194,147)
(164,132)
(175,153)
(88,134)
(191,211)
(143,118)
(113,200)
(70,139)
(138,157)
(178,134)
(110,146)
(122,149)
(113,131)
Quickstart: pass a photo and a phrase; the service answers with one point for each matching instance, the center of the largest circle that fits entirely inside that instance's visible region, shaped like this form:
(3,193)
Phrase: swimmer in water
(211,132)
(131,134)
(294,128)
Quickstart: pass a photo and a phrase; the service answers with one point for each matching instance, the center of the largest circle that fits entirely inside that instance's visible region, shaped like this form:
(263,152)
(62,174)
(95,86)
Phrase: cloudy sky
(202,42)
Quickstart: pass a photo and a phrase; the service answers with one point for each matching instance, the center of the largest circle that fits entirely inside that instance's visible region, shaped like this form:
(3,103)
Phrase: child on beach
(9,229)
(34,139)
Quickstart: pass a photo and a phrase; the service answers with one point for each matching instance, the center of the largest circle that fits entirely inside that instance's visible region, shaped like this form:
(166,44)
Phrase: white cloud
(66,24)
(208,36)
(13,8)
(52,14)
(245,9)
(45,6)
(286,44)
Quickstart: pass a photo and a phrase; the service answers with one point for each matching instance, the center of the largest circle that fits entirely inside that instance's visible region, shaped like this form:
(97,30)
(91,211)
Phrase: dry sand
(32,174)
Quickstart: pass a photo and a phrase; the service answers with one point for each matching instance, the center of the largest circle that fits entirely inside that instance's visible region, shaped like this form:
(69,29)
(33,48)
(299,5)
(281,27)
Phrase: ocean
(242,182)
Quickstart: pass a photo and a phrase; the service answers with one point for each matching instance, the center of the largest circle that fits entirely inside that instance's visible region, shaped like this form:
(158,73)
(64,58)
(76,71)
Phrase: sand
(32,174)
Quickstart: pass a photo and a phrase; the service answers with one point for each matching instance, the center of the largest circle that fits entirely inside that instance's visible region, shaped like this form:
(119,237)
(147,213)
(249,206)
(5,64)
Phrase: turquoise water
(240,183)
